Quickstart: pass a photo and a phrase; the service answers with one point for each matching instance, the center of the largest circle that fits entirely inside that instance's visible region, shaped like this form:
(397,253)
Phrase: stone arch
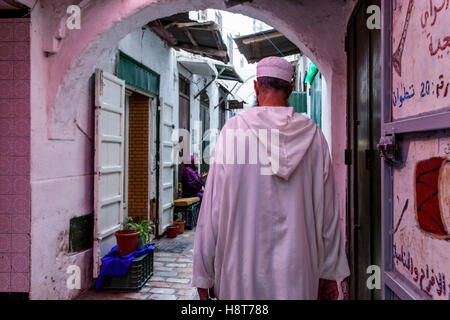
(316,27)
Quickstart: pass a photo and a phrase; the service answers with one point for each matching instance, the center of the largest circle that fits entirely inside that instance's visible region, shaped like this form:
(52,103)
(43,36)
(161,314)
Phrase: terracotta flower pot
(127,241)
(180,226)
(172,231)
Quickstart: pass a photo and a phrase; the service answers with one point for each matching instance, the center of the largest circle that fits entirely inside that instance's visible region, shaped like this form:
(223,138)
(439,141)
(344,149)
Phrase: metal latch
(388,148)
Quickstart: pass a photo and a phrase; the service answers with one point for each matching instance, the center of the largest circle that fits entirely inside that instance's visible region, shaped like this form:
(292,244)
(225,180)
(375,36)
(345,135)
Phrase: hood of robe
(296,134)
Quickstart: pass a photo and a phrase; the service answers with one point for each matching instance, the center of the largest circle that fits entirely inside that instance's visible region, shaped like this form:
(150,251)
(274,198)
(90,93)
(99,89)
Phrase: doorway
(363,165)
(205,124)
(184,118)
(138,153)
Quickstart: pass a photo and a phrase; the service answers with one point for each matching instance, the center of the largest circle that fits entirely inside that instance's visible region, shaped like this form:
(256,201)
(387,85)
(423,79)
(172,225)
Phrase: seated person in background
(191,180)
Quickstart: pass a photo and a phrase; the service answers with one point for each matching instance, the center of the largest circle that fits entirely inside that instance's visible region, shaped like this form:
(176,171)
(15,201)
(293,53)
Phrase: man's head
(274,81)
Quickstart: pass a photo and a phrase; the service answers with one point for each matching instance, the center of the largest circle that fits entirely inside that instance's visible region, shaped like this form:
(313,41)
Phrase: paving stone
(158,268)
(157,296)
(180,255)
(179,280)
(162,254)
(162,290)
(186,270)
(145,289)
(153,278)
(185,292)
(165,259)
(185,275)
(165,274)
(184,260)
(158,264)
(158,284)
(136,296)
(180,285)
(176,265)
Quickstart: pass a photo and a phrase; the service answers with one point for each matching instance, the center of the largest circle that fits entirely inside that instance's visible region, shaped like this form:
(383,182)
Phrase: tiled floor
(172,271)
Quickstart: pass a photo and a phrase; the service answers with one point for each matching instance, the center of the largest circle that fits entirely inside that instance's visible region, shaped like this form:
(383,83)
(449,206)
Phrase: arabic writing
(441,46)
(426,279)
(428,19)
(432,13)
(440,90)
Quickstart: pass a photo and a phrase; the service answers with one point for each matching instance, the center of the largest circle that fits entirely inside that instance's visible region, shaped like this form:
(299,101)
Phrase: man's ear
(256,86)
(290,92)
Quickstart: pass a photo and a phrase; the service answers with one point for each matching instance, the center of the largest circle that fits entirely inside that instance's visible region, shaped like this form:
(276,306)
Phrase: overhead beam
(262,38)
(195,25)
(163,33)
(202,50)
(191,38)
(218,40)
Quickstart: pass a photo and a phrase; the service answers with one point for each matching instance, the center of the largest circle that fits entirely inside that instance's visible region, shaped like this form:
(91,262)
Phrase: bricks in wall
(138,135)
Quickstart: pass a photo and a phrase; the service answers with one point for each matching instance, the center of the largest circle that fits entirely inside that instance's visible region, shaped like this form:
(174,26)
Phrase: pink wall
(14,155)
(61,111)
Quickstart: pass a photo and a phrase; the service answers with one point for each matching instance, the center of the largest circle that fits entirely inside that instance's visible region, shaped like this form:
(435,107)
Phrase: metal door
(167,167)
(364,173)
(109,162)
(416,149)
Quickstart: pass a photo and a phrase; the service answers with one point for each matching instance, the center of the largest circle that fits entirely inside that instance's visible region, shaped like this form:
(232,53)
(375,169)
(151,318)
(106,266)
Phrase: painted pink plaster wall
(61,111)
(15,155)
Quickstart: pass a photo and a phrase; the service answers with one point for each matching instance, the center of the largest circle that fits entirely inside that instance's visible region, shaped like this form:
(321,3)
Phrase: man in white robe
(269,228)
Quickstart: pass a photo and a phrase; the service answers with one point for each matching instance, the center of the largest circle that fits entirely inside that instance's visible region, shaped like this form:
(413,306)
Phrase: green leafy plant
(145,228)
(178,217)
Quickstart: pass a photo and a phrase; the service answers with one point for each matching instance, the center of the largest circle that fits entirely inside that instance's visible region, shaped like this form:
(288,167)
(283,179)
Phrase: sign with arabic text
(421,57)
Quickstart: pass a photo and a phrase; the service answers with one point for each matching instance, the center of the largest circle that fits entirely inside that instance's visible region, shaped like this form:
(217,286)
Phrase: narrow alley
(111,111)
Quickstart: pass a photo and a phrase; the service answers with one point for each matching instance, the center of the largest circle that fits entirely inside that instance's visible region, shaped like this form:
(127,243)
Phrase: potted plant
(179,222)
(127,240)
(144,227)
(172,231)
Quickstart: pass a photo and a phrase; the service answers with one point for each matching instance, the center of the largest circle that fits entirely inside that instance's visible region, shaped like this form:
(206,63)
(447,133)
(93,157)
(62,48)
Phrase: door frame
(394,285)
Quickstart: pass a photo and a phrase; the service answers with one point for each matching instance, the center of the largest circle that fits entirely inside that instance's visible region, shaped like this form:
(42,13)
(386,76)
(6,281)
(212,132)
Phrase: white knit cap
(275,67)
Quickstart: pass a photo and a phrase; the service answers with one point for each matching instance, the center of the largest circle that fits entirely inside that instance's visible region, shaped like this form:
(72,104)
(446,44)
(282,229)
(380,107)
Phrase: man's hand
(328,290)
(204,294)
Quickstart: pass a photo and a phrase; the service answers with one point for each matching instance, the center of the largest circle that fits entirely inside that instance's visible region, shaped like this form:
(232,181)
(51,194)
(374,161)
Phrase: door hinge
(388,148)
(348,157)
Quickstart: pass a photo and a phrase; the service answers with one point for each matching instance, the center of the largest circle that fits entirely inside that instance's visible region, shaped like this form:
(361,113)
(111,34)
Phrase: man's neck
(273,104)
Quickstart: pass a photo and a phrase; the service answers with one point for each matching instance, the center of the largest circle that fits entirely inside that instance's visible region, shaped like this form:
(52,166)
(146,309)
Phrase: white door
(109,162)
(167,167)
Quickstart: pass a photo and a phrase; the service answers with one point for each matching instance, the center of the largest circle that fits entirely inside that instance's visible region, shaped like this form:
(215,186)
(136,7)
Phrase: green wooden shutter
(298,100)
(316,101)
(137,75)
